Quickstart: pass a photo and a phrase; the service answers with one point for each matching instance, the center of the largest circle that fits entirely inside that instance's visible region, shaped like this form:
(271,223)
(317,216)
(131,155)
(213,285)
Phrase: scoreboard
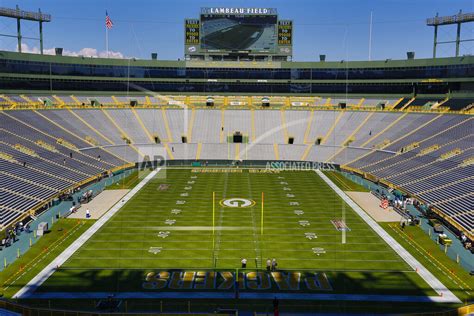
(285,32)
(242,31)
(192,29)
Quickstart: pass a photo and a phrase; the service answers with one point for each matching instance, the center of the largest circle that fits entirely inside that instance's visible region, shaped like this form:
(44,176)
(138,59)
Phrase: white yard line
(41,277)
(445,295)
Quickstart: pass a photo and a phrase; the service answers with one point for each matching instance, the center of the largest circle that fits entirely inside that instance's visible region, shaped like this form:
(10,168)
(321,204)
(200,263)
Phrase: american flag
(108,22)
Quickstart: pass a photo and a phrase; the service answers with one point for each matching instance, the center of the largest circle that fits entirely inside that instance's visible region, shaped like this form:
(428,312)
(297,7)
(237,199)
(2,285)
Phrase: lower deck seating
(458,104)
(81,144)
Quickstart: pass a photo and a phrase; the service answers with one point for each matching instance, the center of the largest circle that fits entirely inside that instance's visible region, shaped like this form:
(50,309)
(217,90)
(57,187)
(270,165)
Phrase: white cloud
(34,50)
(86,52)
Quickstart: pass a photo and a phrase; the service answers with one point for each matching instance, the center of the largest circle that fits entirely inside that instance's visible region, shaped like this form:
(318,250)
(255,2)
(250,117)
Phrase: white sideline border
(41,277)
(445,295)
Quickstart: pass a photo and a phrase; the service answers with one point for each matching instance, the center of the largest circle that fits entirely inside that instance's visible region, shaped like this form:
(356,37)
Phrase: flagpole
(107,40)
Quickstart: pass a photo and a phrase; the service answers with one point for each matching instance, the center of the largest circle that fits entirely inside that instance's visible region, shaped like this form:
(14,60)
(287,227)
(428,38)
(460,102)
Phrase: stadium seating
(458,104)
(419,102)
(44,161)
(425,172)
(421,153)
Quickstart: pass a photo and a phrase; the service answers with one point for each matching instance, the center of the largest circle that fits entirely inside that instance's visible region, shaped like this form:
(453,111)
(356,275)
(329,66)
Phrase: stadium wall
(20,72)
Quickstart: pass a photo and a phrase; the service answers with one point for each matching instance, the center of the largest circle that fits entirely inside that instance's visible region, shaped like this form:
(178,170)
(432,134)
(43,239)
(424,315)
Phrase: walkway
(22,245)
(371,205)
(445,295)
(99,205)
(455,250)
(42,276)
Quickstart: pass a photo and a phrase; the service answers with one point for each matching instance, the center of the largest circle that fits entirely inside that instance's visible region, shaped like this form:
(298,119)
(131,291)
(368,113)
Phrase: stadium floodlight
(458,19)
(25,15)
(29,16)
(452,19)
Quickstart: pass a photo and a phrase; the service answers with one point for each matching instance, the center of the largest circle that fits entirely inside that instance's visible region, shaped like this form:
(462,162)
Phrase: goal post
(261,220)
(213,219)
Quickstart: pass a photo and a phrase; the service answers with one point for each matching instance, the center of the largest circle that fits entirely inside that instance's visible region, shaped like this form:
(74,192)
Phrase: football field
(195,225)
(234,37)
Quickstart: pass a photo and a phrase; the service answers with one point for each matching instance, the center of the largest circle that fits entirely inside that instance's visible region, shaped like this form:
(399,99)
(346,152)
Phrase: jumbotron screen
(239,32)
(236,30)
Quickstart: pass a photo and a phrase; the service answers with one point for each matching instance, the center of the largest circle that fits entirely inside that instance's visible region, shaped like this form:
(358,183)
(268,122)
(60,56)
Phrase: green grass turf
(48,247)
(344,183)
(117,257)
(428,253)
(127,182)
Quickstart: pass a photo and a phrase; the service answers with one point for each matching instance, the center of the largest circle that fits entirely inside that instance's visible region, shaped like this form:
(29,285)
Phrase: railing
(330,107)
(27,15)
(183,308)
(186,308)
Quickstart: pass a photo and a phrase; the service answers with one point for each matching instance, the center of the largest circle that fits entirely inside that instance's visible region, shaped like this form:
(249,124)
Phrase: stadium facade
(41,73)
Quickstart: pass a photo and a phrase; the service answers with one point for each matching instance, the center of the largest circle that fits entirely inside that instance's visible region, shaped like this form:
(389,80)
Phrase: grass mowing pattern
(425,250)
(117,257)
(344,183)
(127,182)
(428,253)
(48,247)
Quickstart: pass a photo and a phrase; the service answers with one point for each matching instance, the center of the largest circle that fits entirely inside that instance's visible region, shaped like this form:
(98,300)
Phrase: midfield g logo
(237,202)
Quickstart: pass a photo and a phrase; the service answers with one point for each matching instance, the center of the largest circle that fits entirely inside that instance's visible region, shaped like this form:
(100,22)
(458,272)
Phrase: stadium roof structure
(458,19)
(387,63)
(29,16)
(450,19)
(25,15)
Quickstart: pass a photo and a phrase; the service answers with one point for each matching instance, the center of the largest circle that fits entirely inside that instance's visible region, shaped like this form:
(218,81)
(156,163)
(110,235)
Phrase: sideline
(40,257)
(41,277)
(445,295)
(437,264)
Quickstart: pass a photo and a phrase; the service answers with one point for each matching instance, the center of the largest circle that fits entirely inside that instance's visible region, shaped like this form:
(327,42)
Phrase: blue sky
(337,28)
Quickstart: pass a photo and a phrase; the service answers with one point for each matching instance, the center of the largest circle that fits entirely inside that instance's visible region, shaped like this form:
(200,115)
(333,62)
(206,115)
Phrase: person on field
(269,265)
(274,264)
(244,263)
